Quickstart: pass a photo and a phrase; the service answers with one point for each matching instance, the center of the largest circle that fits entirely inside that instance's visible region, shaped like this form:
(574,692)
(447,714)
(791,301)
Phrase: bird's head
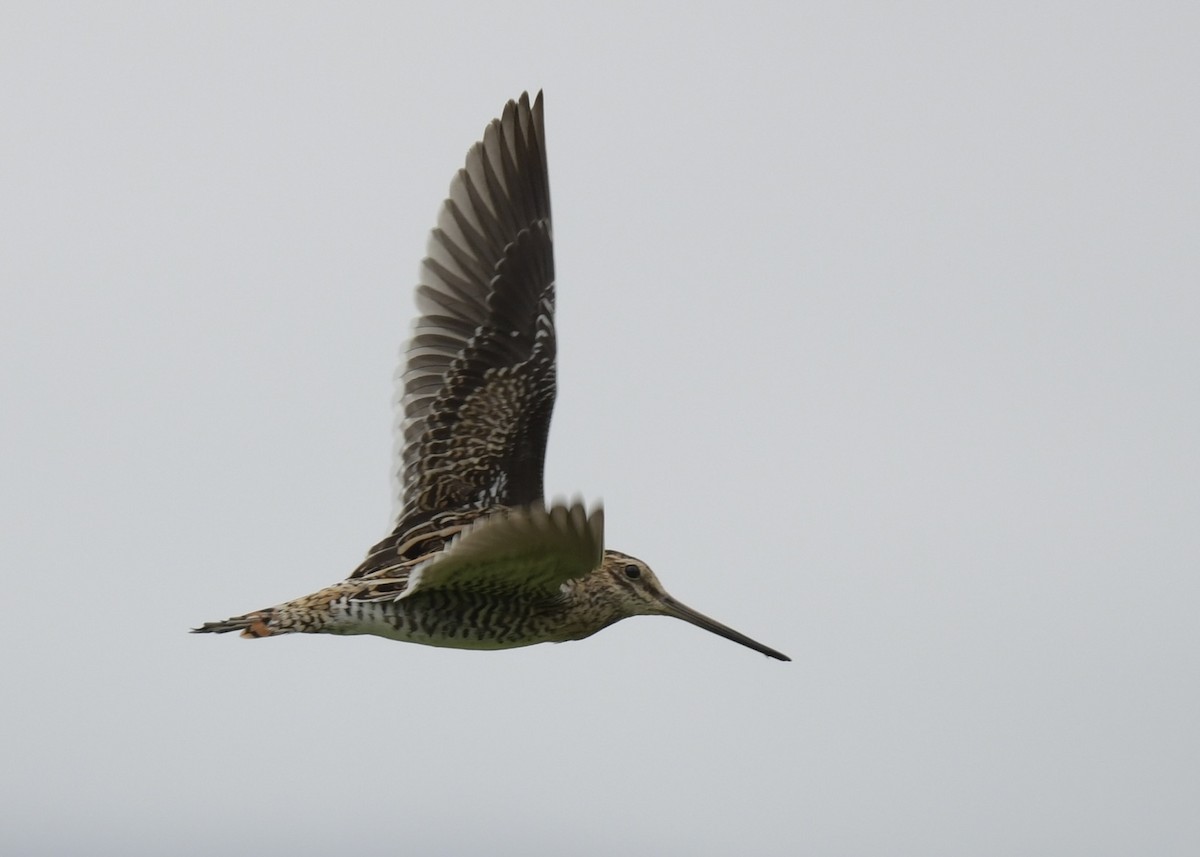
(631,584)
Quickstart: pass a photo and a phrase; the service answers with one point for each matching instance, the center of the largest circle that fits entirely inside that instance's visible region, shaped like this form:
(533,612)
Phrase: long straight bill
(687,614)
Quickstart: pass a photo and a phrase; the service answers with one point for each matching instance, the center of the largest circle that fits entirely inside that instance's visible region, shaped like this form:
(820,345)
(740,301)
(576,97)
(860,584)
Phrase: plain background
(879,340)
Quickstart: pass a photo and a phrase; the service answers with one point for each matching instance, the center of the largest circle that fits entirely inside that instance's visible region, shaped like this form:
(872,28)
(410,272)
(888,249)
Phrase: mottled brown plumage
(476,561)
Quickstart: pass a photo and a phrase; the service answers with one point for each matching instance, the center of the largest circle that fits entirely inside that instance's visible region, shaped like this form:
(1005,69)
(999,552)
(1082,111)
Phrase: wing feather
(479,377)
(530,549)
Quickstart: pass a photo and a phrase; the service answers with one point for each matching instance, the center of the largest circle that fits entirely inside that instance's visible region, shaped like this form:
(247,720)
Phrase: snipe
(476,560)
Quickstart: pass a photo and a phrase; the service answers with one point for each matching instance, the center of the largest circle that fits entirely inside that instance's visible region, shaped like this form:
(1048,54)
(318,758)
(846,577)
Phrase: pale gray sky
(878,336)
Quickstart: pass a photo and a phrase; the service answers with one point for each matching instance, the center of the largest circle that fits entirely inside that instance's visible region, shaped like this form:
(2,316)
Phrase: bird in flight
(476,559)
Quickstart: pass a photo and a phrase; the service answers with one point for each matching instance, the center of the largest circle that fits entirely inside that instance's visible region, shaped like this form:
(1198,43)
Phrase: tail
(256,624)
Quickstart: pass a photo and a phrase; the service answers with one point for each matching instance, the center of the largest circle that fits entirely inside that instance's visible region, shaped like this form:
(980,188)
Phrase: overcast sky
(878,339)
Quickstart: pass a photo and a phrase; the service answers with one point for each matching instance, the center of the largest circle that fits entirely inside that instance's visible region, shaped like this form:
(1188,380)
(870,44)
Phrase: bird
(476,558)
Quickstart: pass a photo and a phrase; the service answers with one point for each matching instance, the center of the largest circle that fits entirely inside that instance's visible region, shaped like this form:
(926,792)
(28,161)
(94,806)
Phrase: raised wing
(479,374)
(532,550)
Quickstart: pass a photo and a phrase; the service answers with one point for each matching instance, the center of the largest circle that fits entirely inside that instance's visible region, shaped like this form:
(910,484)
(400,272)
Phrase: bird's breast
(463,620)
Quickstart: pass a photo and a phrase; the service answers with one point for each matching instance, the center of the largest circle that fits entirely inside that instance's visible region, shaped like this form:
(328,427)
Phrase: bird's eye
(632,571)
